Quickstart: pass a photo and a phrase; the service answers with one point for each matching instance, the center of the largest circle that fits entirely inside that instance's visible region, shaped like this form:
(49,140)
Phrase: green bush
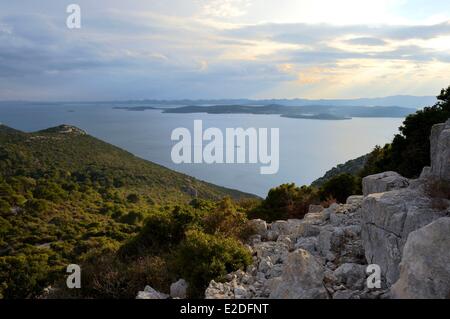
(132,218)
(225,219)
(409,152)
(158,234)
(24,276)
(49,191)
(5,207)
(37,206)
(202,257)
(340,187)
(133,198)
(286,201)
(106,276)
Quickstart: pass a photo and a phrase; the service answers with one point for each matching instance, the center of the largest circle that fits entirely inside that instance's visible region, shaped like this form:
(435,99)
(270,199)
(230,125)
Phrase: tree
(340,187)
(409,152)
(286,201)
(201,258)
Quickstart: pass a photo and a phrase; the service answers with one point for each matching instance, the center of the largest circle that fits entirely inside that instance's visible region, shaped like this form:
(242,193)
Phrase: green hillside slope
(65,195)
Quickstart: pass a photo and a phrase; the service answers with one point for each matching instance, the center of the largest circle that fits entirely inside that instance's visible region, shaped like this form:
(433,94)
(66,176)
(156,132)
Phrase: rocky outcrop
(383,182)
(65,129)
(301,278)
(425,266)
(150,293)
(299,258)
(389,217)
(396,225)
(387,220)
(178,290)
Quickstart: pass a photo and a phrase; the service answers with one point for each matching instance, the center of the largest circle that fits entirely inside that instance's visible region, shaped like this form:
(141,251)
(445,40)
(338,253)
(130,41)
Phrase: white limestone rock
(383,182)
(425,266)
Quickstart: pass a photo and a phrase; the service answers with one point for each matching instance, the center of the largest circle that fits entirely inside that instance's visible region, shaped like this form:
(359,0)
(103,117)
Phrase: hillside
(66,196)
(70,150)
(352,167)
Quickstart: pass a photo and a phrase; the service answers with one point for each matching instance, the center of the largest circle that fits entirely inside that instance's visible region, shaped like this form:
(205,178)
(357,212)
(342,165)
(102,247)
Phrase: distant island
(311,112)
(136,108)
(330,117)
(316,112)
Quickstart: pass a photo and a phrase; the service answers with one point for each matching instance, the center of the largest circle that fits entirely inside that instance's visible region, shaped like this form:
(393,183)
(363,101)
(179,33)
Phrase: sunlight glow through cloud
(259,48)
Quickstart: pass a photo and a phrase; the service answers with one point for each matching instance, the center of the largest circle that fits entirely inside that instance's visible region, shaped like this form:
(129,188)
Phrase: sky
(175,49)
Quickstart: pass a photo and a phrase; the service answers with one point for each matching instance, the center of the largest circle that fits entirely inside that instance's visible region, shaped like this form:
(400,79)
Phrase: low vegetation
(66,197)
(409,152)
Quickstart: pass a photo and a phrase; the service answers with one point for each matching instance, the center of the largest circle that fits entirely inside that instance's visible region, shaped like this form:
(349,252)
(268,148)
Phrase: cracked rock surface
(396,225)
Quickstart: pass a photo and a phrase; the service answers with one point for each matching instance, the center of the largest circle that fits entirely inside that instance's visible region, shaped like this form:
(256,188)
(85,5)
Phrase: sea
(307,148)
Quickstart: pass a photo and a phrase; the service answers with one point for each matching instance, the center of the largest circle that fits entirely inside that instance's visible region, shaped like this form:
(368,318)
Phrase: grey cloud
(301,33)
(366,41)
(150,57)
(328,55)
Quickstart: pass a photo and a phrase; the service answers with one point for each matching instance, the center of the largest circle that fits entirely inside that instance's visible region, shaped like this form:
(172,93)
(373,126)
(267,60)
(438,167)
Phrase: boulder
(425,266)
(324,244)
(355,200)
(265,265)
(280,227)
(351,275)
(150,293)
(240,292)
(277,251)
(315,209)
(383,182)
(302,278)
(307,230)
(179,289)
(217,290)
(387,220)
(307,243)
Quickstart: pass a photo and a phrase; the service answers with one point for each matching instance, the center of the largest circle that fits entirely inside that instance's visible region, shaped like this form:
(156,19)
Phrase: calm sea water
(308,148)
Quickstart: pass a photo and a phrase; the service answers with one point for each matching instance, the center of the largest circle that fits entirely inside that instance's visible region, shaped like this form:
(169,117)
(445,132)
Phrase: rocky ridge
(400,225)
(320,256)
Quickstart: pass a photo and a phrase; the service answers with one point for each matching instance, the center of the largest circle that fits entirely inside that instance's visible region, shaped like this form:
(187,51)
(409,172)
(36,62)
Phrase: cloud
(205,49)
(366,41)
(225,8)
(313,33)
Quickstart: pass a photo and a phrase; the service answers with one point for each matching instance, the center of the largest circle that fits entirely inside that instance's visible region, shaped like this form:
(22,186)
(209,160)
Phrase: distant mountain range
(409,101)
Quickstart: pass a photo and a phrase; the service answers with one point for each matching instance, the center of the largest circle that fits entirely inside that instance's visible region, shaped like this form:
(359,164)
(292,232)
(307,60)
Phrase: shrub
(286,201)
(201,258)
(225,219)
(107,276)
(159,233)
(24,276)
(37,205)
(132,218)
(5,207)
(133,198)
(340,187)
(49,191)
